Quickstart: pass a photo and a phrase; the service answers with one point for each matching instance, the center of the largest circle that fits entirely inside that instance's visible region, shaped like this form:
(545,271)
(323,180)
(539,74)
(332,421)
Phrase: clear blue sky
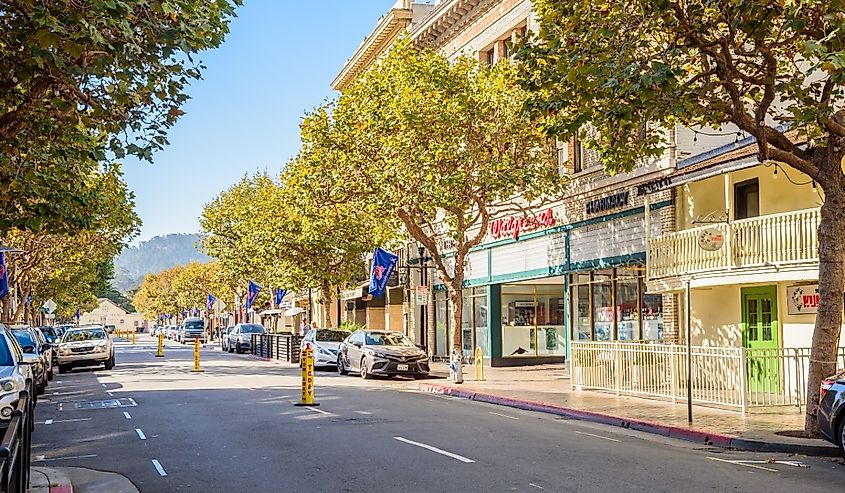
(276,63)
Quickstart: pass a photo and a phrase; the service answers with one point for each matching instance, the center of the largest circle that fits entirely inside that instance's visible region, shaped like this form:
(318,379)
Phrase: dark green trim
(566,317)
(494,320)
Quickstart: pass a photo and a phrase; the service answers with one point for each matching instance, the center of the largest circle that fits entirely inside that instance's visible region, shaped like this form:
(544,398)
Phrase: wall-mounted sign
(654,186)
(802,300)
(606,203)
(710,239)
(422,295)
(513,226)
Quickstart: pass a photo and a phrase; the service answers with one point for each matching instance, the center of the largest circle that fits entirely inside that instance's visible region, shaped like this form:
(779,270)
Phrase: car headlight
(101,347)
(8,385)
(379,355)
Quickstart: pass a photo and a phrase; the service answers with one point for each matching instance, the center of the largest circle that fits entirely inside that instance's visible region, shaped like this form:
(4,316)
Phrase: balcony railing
(776,239)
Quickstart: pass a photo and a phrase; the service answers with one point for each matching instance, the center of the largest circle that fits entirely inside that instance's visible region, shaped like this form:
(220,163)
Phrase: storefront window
(533,320)
(611,305)
(482,332)
(627,309)
(653,317)
(581,305)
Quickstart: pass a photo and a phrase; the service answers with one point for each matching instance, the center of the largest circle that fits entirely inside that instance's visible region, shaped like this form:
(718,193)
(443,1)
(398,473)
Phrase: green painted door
(761,336)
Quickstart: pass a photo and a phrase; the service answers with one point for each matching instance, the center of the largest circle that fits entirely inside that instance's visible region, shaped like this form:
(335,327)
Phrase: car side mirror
(357,344)
(46,346)
(29,349)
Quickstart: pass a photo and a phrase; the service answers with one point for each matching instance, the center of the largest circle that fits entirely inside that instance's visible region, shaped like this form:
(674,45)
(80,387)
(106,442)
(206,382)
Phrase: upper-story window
(747,199)
(490,57)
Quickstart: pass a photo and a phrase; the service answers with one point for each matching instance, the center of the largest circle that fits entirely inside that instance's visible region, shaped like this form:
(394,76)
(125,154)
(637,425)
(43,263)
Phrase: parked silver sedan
(240,339)
(324,344)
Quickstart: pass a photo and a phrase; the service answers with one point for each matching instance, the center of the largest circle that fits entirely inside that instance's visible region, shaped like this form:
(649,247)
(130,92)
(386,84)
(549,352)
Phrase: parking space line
(739,463)
(41,458)
(140,434)
(435,450)
(503,415)
(54,421)
(127,415)
(159,468)
(365,413)
(317,410)
(597,436)
(133,401)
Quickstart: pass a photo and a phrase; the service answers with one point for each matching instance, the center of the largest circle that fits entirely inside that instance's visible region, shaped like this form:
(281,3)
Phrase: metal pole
(310,319)
(689,350)
(423,308)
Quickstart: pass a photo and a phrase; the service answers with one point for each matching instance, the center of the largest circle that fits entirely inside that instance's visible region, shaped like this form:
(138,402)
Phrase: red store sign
(515,225)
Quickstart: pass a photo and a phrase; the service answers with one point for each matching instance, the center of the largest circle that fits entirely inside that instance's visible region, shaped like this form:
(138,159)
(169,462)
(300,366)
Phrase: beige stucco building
(108,313)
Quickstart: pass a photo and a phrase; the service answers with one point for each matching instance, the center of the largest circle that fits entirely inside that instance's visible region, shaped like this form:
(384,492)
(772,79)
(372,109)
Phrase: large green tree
(442,146)
(774,70)
(86,81)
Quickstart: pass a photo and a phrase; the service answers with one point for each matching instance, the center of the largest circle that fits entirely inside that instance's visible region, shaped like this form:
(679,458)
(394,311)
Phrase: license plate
(402,367)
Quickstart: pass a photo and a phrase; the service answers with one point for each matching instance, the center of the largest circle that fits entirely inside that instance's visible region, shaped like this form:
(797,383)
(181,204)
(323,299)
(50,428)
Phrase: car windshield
(5,353)
(326,335)
(198,325)
(50,334)
(252,329)
(377,339)
(84,335)
(24,338)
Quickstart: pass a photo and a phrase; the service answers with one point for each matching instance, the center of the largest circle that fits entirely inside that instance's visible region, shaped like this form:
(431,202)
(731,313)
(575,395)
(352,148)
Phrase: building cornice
(389,27)
(446,20)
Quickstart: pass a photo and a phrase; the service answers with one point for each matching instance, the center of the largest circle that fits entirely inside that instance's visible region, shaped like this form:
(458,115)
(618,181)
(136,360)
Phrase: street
(233,427)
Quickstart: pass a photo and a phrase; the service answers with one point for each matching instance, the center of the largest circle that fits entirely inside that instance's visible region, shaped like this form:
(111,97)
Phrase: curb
(671,431)
(49,480)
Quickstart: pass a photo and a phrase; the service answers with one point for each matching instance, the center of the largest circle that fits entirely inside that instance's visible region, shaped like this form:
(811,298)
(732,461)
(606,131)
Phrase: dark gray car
(831,413)
(370,352)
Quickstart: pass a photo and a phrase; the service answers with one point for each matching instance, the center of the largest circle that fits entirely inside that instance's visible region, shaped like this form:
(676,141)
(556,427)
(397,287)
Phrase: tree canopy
(86,82)
(443,147)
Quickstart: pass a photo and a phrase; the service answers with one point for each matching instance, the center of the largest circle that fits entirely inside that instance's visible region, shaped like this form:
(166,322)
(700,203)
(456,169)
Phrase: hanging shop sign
(802,300)
(515,225)
(606,203)
(710,239)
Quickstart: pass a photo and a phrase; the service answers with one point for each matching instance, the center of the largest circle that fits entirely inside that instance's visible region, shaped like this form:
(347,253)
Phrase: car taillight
(827,383)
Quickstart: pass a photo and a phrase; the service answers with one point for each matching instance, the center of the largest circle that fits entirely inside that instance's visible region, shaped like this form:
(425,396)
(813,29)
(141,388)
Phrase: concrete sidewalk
(546,388)
(77,480)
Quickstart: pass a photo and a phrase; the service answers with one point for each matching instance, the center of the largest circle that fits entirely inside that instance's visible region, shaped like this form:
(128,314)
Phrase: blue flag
(4,278)
(77,316)
(251,293)
(279,295)
(210,302)
(383,264)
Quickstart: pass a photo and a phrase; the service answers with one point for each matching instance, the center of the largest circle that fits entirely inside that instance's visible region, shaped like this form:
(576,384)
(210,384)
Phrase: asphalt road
(233,428)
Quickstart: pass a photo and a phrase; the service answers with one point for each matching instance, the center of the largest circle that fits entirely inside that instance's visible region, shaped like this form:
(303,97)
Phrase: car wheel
(365,372)
(230,348)
(110,363)
(340,368)
(63,369)
(842,436)
(40,389)
(50,374)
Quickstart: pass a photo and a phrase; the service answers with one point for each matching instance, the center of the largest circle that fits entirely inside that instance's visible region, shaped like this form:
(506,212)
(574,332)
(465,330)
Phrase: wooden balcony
(789,238)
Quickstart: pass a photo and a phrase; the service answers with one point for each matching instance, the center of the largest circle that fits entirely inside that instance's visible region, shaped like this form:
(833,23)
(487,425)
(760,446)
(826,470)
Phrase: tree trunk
(5,313)
(326,302)
(457,300)
(829,316)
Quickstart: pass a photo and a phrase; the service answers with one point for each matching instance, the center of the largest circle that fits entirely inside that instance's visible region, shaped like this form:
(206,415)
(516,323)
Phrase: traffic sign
(422,295)
(50,305)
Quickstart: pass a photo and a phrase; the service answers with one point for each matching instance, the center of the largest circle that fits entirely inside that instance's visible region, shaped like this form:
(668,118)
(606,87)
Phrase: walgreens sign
(513,226)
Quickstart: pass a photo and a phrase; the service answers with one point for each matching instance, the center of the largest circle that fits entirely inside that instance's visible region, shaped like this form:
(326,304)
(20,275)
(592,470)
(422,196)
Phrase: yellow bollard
(479,364)
(133,337)
(197,354)
(160,352)
(307,364)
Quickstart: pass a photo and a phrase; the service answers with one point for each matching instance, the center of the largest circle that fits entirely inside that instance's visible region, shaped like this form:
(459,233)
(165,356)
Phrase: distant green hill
(153,256)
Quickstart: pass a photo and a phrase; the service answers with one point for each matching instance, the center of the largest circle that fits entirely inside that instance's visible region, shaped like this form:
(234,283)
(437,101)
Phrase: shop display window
(533,320)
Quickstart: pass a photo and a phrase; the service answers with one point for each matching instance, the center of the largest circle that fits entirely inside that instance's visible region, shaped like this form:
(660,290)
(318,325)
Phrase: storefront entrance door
(760,335)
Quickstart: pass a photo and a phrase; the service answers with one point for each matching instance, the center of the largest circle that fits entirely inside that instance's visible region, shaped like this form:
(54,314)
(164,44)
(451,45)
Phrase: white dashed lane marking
(159,468)
(435,450)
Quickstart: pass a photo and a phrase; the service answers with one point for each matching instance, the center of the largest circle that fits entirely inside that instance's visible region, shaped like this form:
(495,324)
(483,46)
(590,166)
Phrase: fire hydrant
(456,368)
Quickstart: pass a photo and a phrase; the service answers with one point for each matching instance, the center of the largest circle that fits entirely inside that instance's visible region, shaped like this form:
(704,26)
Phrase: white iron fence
(731,377)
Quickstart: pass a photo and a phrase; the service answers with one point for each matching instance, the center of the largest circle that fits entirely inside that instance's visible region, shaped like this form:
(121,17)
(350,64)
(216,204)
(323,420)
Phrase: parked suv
(34,354)
(831,412)
(193,328)
(86,346)
(15,377)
